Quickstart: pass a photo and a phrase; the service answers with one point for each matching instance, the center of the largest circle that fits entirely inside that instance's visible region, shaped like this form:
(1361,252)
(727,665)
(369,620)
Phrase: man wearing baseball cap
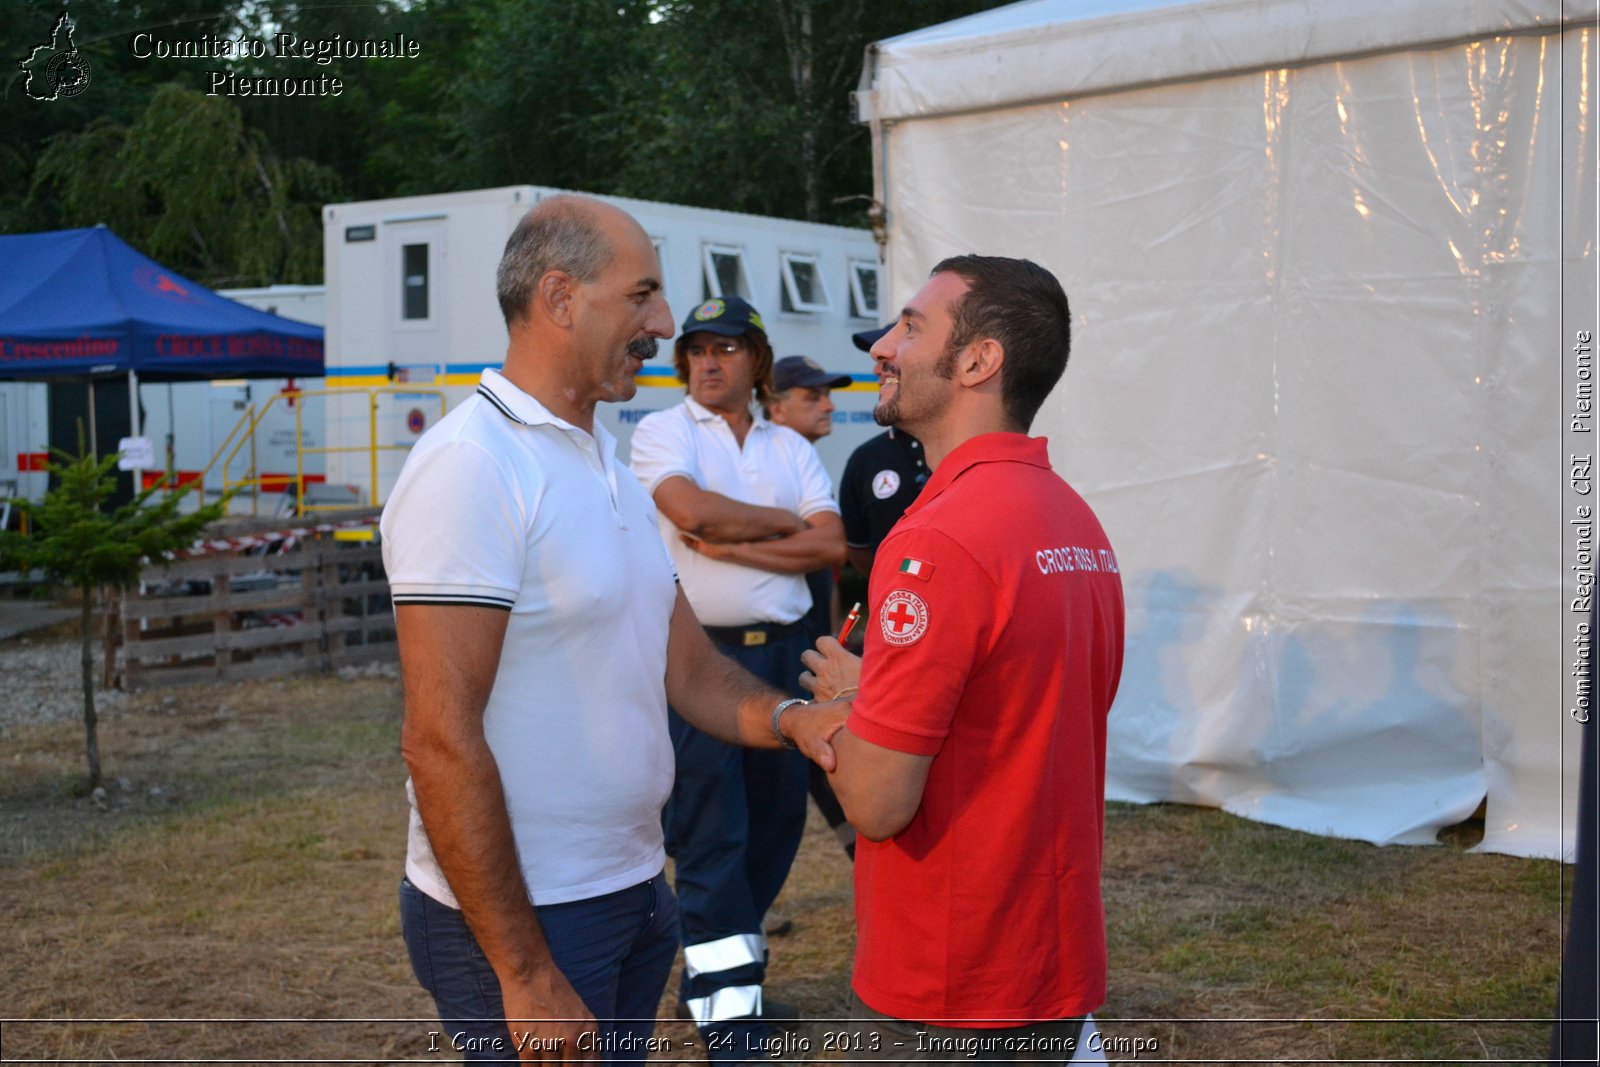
(746,510)
(800,396)
(802,401)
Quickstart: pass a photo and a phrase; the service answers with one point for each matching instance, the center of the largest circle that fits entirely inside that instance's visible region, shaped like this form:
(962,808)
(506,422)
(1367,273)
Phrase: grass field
(233,897)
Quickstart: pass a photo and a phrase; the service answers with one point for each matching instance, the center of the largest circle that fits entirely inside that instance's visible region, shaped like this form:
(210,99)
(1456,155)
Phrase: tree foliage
(77,541)
(736,104)
(190,185)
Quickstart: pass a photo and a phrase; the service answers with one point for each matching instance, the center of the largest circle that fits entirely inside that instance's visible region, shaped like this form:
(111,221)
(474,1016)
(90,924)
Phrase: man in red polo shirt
(973,761)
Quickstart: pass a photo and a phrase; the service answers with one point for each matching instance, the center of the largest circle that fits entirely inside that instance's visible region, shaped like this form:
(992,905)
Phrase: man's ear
(981,362)
(555,296)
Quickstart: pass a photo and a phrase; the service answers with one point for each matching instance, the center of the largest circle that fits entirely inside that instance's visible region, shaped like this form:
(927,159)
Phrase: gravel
(43,683)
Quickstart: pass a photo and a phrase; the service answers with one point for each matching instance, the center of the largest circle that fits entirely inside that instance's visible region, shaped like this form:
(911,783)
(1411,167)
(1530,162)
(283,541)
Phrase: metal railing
(243,434)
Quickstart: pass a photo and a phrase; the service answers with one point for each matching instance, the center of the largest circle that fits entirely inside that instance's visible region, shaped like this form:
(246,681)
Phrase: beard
(644,348)
(887,413)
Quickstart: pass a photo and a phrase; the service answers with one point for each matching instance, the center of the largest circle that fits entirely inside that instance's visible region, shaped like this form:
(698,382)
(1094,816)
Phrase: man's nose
(659,324)
(883,349)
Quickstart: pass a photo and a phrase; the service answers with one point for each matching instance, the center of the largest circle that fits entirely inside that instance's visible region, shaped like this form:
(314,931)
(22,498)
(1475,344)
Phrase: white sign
(138,453)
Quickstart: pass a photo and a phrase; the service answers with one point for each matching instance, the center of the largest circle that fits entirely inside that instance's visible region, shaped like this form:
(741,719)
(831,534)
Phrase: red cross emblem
(904,617)
(165,284)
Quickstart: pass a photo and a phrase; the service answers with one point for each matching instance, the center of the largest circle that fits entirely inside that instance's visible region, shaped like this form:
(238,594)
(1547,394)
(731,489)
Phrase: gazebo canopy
(83,303)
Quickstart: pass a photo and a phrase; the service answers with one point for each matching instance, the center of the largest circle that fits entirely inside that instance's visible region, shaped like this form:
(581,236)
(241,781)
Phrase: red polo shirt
(994,645)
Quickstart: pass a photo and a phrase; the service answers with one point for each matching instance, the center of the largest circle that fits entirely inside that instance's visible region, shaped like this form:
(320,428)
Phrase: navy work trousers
(733,827)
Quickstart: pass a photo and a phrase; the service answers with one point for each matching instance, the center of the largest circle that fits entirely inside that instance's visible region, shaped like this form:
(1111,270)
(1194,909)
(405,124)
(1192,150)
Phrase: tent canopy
(1052,50)
(83,303)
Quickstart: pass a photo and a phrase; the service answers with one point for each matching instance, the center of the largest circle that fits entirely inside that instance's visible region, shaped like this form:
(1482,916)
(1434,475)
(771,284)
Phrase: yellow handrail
(251,419)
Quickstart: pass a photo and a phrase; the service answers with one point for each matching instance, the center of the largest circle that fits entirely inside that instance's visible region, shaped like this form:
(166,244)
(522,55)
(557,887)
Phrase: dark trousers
(616,950)
(733,827)
(819,622)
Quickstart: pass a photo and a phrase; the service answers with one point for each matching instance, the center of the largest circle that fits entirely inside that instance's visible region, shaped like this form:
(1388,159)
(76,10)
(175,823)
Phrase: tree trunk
(808,118)
(91,741)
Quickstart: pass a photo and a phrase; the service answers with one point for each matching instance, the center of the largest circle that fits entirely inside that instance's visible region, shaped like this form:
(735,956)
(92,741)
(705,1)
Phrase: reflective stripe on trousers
(724,954)
(729,1002)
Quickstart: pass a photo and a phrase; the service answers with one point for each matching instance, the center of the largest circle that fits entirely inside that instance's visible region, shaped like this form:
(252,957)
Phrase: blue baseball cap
(730,316)
(867,338)
(803,372)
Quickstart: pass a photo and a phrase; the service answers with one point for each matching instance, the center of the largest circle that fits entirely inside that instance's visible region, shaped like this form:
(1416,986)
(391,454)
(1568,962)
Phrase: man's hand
(820,544)
(830,670)
(812,726)
(710,549)
(546,1018)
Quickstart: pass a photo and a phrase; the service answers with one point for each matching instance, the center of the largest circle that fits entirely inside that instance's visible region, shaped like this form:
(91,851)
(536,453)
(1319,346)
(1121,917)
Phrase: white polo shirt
(503,504)
(775,468)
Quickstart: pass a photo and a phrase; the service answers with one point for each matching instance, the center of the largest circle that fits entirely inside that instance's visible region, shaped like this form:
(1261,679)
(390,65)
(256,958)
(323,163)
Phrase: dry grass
(258,882)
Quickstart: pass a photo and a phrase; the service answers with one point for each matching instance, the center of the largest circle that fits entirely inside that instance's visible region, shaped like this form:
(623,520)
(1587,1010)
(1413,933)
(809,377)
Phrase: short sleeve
(662,447)
(816,488)
(454,529)
(932,621)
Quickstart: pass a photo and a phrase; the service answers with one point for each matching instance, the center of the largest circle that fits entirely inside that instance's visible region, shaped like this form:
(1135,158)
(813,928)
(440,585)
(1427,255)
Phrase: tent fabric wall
(1314,396)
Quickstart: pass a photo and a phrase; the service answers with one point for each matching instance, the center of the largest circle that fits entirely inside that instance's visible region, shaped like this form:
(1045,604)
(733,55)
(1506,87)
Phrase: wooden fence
(262,611)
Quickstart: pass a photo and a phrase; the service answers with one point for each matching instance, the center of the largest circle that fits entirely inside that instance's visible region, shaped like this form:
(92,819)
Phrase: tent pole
(135,473)
(94,442)
(133,401)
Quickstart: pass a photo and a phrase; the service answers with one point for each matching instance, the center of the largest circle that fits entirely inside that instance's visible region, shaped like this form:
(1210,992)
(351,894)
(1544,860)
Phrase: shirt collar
(702,413)
(985,448)
(522,408)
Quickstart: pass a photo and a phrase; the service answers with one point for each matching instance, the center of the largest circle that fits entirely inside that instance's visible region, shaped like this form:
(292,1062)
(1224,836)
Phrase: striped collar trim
(500,405)
(525,410)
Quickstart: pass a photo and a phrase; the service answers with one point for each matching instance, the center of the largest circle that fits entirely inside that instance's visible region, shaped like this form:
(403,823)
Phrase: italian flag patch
(917,568)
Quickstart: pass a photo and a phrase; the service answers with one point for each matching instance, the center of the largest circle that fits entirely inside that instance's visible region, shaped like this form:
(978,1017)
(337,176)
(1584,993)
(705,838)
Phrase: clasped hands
(831,677)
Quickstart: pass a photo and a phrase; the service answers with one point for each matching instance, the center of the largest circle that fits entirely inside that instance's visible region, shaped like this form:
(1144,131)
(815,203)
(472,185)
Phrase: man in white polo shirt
(746,510)
(541,634)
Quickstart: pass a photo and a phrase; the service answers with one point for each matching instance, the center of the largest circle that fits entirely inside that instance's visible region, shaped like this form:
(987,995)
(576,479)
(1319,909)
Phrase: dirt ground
(230,896)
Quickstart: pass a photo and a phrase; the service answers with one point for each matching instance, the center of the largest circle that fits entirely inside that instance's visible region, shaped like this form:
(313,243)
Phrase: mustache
(644,348)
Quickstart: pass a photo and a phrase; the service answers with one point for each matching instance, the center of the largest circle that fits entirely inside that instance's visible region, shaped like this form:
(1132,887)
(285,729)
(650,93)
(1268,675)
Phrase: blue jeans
(733,827)
(616,950)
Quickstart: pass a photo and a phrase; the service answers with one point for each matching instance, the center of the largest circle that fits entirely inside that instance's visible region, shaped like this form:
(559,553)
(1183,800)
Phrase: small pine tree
(76,541)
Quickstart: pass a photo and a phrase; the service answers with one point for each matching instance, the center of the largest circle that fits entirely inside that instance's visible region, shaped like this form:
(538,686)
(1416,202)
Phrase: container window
(803,287)
(414,282)
(864,290)
(725,273)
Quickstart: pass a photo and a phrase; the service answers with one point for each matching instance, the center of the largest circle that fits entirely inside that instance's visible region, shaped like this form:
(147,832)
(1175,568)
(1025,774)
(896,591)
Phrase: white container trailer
(412,303)
(24,437)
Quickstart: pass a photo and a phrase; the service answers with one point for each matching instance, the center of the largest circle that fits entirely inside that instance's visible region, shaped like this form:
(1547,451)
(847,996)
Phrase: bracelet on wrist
(777,713)
(840,695)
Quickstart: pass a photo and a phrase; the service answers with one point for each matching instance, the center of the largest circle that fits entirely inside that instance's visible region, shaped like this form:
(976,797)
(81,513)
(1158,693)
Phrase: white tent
(1327,259)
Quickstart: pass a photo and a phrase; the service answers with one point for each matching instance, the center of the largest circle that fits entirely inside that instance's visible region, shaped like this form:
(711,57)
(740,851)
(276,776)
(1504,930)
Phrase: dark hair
(560,233)
(1021,305)
(760,355)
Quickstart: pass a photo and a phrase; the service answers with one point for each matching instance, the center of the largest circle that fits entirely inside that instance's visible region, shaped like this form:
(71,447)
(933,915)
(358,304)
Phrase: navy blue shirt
(881,479)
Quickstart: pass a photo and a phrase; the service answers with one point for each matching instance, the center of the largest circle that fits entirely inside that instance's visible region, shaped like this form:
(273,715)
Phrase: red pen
(849,622)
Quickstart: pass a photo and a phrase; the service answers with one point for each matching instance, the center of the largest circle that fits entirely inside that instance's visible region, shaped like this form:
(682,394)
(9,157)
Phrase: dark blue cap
(803,372)
(867,338)
(730,316)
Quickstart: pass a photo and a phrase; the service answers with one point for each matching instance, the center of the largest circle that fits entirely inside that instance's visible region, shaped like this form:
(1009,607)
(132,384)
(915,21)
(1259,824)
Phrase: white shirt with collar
(503,504)
(776,468)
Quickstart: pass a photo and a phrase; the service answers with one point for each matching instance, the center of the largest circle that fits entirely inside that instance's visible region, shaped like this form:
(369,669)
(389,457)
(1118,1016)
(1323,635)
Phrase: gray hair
(560,233)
